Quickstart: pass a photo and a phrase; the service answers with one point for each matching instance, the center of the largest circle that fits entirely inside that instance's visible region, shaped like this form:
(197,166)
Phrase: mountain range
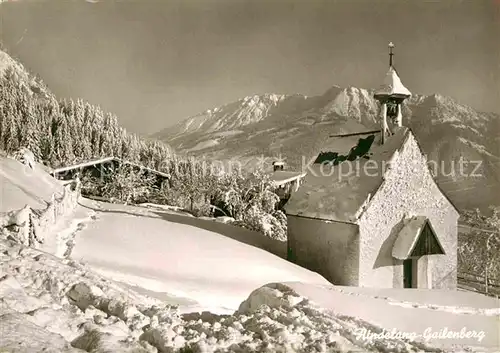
(461,144)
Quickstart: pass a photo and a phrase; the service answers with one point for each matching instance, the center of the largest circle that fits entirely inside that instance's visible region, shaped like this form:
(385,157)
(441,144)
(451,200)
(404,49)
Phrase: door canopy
(417,238)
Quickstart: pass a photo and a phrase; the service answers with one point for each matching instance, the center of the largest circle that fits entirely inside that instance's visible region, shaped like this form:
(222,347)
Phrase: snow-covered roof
(392,86)
(104,160)
(338,192)
(154,171)
(408,238)
(83,165)
(281,177)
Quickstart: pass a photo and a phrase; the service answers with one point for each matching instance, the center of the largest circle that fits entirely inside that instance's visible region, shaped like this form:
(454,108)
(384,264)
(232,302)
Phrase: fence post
(486,276)
(487,261)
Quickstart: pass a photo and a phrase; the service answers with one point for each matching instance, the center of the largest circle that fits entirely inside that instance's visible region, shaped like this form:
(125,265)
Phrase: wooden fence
(30,226)
(478,283)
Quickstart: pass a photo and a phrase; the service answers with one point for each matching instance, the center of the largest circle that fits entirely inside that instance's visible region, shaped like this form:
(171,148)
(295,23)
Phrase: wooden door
(408,273)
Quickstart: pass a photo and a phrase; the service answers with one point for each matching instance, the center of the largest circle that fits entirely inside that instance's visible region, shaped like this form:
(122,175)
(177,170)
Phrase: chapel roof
(338,190)
(392,86)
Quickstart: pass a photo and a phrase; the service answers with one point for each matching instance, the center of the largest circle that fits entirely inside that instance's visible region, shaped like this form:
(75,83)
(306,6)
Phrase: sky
(154,63)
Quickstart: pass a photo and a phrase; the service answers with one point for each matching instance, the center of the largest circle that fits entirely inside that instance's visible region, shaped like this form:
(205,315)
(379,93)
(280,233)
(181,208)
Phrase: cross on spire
(391,46)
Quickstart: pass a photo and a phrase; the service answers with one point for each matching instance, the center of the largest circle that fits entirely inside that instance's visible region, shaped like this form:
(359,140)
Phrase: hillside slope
(295,127)
(64,132)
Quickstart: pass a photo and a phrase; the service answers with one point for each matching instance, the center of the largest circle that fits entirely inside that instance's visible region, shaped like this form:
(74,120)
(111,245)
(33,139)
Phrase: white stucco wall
(408,190)
(329,248)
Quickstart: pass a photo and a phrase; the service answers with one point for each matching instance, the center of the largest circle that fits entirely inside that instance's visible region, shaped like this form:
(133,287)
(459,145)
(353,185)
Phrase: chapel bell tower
(391,95)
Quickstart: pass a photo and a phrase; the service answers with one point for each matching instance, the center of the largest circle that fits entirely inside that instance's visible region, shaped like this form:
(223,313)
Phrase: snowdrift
(435,316)
(57,305)
(22,185)
(148,251)
(32,201)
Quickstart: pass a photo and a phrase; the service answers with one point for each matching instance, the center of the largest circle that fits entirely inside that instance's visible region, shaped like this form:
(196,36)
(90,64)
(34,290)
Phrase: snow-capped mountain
(461,143)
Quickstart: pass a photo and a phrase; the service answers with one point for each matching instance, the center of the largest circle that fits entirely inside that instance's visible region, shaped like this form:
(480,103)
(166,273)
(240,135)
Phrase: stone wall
(30,227)
(408,190)
(328,248)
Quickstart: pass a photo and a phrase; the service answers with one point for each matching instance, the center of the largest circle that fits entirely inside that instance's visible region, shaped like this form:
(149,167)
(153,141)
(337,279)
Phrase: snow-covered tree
(127,184)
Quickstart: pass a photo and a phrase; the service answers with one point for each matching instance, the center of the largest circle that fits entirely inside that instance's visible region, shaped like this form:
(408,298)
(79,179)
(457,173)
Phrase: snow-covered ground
(146,249)
(21,185)
(147,273)
(434,315)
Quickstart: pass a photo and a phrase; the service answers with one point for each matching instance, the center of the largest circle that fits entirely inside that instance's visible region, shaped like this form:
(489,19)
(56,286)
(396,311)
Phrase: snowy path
(178,262)
(61,244)
(462,302)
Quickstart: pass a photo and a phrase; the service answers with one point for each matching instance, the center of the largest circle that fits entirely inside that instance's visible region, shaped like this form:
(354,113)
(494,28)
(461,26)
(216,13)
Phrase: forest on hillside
(66,132)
